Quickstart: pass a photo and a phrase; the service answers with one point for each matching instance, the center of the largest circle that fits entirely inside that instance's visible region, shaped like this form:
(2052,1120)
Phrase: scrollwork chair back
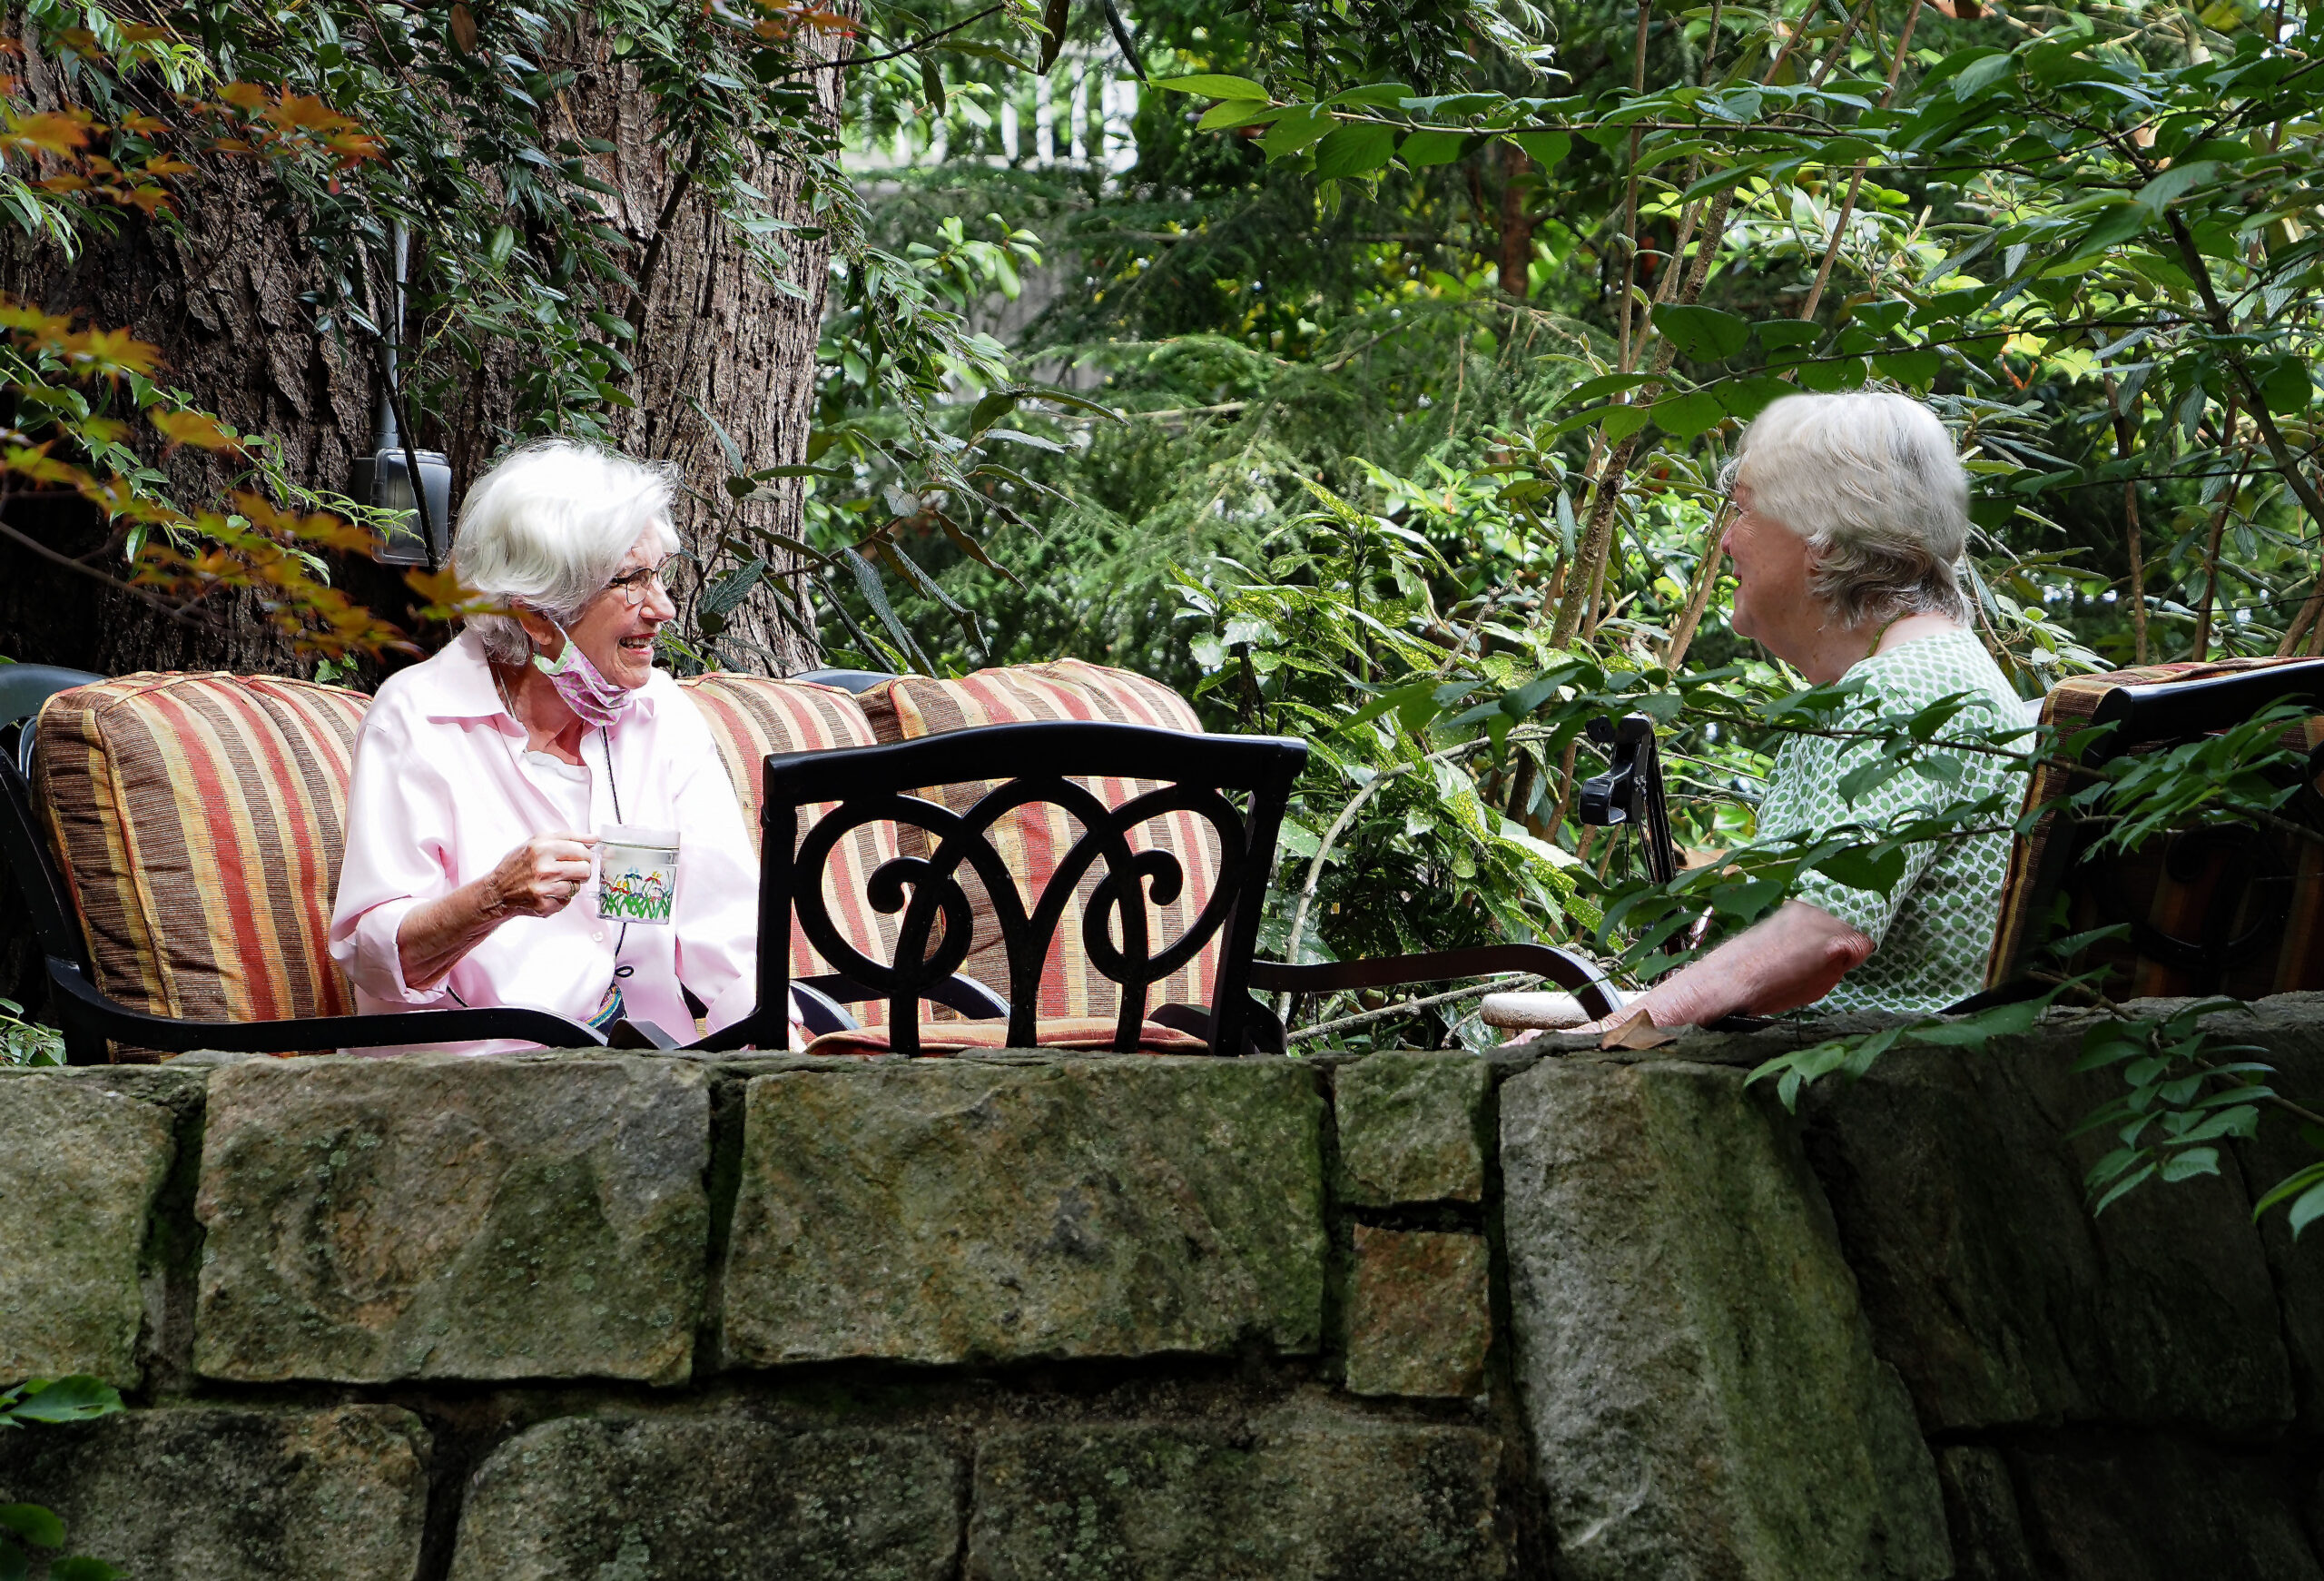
(1032,763)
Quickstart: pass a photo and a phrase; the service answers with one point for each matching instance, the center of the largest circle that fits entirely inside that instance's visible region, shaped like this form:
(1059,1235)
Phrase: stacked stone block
(688,1314)
(1413,1138)
(623,1318)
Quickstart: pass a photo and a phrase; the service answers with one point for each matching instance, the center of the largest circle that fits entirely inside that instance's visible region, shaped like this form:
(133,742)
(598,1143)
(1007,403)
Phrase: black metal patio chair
(1203,777)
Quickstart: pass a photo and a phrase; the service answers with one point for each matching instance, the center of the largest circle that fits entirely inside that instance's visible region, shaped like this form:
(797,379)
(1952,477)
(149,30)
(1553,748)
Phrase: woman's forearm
(1793,958)
(437,934)
(536,879)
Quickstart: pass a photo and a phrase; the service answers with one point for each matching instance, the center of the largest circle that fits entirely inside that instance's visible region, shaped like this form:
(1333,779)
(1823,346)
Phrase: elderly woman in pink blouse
(485,776)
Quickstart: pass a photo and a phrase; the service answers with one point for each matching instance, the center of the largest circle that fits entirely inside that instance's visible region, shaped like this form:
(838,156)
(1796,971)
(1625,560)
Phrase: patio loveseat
(178,841)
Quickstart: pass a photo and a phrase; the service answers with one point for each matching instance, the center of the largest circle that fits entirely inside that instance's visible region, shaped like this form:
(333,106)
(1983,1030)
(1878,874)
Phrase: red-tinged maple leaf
(109,495)
(276,571)
(110,353)
(118,499)
(322,527)
(63,184)
(259,510)
(144,33)
(141,123)
(79,41)
(354,147)
(305,112)
(248,97)
(34,461)
(163,165)
(58,132)
(231,146)
(152,200)
(444,599)
(161,578)
(42,331)
(332,532)
(197,428)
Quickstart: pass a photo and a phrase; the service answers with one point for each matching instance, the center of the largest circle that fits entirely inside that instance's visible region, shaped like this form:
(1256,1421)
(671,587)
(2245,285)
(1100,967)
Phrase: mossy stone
(1420,1313)
(1323,1496)
(81,1160)
(1412,1129)
(948,1211)
(1701,1379)
(233,1494)
(437,1217)
(677,1498)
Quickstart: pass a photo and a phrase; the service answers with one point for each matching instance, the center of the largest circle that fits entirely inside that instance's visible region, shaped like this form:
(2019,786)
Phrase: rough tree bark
(219,294)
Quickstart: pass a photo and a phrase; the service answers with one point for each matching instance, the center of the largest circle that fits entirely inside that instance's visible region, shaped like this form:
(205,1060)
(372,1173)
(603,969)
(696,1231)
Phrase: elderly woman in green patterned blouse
(1850,512)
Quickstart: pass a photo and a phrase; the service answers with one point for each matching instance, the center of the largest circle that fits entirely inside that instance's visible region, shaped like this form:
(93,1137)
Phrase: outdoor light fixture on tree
(421,533)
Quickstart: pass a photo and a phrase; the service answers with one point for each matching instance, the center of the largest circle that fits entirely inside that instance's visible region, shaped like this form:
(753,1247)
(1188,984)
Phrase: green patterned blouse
(1933,930)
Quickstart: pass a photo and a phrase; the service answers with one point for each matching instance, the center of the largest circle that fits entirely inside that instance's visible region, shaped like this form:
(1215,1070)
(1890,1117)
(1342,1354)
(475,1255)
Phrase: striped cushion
(197,819)
(1033,840)
(751,716)
(2234,911)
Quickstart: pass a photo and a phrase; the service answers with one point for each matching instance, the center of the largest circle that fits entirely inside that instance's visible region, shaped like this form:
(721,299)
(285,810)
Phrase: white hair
(1871,481)
(546,528)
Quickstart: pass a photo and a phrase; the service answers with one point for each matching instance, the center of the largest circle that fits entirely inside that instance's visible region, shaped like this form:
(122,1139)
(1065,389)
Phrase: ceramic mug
(637,873)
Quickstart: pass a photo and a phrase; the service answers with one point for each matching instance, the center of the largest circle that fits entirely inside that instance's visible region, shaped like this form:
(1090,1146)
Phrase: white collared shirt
(440,795)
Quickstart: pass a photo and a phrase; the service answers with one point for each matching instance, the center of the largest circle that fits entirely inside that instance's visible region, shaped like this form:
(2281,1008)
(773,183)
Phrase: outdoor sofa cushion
(1034,839)
(750,717)
(198,823)
(2213,911)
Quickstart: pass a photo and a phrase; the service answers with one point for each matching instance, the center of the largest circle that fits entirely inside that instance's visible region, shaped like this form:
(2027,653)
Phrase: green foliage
(1389,845)
(1853,1057)
(26,1530)
(2184,1093)
(2089,246)
(26,1042)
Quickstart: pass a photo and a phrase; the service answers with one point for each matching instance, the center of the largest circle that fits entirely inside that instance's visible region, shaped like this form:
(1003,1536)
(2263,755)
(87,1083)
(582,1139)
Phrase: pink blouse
(442,791)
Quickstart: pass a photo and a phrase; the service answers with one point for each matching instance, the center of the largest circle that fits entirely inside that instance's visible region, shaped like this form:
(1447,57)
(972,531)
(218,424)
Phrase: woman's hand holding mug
(540,877)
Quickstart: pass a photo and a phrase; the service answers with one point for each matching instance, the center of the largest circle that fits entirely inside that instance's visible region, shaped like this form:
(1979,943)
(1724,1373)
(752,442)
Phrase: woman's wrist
(488,905)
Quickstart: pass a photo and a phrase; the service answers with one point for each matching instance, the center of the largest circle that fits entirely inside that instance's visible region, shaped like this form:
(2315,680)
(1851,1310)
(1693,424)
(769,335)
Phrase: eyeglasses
(635,587)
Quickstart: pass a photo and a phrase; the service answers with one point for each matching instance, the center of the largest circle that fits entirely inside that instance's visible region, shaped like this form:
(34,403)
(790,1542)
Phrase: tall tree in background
(620,225)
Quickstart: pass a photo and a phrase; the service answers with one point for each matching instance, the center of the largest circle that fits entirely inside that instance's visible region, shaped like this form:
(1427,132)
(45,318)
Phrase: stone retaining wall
(1417,1316)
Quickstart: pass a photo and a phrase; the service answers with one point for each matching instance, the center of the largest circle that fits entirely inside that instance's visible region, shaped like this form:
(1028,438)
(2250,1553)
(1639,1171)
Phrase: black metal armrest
(820,1000)
(84,1009)
(971,998)
(1577,976)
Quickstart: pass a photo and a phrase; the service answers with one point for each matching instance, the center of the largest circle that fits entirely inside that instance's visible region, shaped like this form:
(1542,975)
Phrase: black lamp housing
(384,478)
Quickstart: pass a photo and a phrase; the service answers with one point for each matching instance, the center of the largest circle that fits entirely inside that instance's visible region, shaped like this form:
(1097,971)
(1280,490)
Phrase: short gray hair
(547,528)
(1871,481)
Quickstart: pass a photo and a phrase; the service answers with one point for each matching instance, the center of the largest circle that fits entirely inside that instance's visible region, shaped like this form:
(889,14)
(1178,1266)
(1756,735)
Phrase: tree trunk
(1516,222)
(718,338)
(220,294)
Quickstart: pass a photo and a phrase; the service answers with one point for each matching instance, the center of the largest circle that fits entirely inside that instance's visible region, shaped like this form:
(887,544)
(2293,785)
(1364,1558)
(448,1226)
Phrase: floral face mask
(593,699)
